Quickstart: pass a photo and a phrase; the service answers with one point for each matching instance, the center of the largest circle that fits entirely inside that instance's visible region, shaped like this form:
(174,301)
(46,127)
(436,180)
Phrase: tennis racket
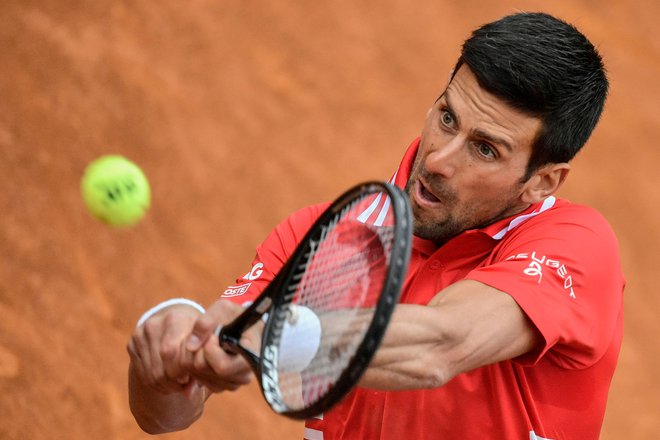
(328,307)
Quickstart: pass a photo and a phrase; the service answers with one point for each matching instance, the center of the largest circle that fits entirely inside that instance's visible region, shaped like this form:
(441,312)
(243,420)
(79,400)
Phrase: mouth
(424,196)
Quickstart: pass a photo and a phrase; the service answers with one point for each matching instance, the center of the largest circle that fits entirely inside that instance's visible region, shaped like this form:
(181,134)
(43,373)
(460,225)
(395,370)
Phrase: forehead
(479,111)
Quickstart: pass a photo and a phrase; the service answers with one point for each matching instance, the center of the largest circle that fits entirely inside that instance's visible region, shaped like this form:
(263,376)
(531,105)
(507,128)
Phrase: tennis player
(510,321)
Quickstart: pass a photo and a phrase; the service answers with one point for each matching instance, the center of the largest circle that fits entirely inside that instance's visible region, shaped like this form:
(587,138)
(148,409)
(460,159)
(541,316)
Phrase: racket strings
(340,280)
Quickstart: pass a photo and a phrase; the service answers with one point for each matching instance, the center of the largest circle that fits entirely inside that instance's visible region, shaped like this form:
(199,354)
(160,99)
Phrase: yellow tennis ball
(115,191)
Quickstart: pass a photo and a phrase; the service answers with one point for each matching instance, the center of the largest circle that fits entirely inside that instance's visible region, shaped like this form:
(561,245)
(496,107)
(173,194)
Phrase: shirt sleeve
(563,270)
(271,255)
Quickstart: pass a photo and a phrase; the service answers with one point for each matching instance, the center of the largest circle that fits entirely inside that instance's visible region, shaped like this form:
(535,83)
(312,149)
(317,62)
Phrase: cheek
(482,197)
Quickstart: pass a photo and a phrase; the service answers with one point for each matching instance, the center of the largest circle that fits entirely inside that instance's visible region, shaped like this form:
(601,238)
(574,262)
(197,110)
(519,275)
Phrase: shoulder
(286,235)
(569,220)
(299,222)
(566,208)
(569,233)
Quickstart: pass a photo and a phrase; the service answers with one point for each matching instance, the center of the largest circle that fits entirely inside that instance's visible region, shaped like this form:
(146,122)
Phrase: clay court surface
(240,112)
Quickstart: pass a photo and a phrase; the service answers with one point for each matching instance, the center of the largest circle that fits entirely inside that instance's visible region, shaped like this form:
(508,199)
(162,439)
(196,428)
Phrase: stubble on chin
(440,229)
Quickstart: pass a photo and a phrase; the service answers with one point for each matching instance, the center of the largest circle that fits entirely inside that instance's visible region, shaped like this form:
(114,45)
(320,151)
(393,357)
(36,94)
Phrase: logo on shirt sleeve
(255,273)
(241,289)
(236,290)
(538,263)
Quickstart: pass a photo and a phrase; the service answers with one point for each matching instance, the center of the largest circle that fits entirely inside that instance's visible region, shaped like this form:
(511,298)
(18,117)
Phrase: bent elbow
(171,420)
(437,376)
(156,427)
(430,372)
(150,428)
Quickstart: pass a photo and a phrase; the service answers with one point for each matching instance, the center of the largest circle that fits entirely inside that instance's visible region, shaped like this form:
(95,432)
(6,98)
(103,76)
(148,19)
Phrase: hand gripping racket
(330,304)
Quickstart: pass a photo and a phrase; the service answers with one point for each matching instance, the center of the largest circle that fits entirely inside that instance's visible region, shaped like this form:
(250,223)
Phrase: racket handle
(231,344)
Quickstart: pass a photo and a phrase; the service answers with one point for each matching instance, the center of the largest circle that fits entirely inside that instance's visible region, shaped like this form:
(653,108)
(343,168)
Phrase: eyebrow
(478,132)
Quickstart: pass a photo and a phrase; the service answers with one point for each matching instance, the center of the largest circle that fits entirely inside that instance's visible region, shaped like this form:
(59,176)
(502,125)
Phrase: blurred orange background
(240,112)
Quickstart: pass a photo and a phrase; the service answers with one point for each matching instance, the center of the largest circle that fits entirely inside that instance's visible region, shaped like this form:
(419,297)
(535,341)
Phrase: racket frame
(275,296)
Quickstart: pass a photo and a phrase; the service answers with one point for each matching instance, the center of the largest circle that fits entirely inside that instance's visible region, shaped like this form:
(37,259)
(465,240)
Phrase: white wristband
(170,302)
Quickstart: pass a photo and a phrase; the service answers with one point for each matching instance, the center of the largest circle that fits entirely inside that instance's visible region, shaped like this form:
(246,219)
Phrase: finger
(172,351)
(186,358)
(156,373)
(194,390)
(172,367)
(201,331)
(132,349)
(223,363)
(136,361)
(222,382)
(221,312)
(221,376)
(220,386)
(138,348)
(251,338)
(232,367)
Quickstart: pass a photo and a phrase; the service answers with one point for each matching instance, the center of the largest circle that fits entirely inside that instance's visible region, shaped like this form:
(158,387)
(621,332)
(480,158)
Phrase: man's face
(472,157)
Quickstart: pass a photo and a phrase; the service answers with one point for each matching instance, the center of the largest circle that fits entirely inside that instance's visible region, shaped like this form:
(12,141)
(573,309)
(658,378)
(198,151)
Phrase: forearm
(158,413)
(408,356)
(464,327)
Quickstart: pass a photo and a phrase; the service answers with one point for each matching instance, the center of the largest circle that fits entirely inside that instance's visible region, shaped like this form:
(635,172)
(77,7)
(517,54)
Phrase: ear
(545,182)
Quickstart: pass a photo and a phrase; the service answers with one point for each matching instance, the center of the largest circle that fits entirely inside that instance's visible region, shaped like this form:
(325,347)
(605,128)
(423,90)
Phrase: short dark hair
(544,67)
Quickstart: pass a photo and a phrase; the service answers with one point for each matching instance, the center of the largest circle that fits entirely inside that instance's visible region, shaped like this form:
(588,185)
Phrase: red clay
(240,112)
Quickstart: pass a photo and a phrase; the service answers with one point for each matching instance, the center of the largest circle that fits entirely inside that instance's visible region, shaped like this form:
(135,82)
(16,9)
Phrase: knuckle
(245,379)
(151,327)
(232,387)
(168,350)
(150,380)
(214,387)
(205,322)
(218,361)
(199,364)
(186,363)
(175,316)
(136,346)
(137,333)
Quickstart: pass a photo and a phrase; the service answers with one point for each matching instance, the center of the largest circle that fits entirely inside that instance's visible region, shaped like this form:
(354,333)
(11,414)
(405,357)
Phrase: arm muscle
(467,325)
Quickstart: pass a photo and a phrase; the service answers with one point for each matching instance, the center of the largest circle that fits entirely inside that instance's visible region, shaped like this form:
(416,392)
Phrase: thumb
(191,388)
(201,331)
(221,312)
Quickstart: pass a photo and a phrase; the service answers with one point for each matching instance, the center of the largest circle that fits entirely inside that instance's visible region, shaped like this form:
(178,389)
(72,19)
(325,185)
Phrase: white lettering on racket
(269,379)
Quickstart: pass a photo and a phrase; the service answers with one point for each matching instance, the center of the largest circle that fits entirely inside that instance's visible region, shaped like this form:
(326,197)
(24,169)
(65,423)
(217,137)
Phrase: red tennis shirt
(560,262)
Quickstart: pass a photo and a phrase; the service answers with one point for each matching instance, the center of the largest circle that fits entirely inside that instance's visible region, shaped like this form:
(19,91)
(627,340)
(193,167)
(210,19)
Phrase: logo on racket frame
(269,378)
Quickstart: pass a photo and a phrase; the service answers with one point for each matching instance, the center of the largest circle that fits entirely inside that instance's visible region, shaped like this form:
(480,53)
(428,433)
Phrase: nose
(444,159)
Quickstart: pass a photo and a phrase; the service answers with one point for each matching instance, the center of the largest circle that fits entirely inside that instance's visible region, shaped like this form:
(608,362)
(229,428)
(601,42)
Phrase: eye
(446,117)
(486,150)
